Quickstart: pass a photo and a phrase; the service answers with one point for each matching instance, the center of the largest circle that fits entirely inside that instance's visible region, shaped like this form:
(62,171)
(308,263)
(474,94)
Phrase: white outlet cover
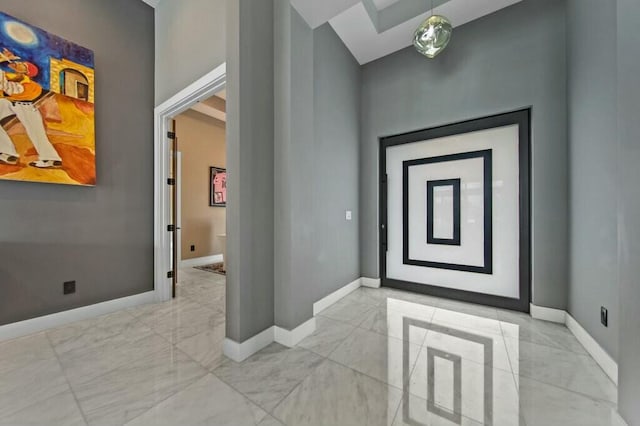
(348,215)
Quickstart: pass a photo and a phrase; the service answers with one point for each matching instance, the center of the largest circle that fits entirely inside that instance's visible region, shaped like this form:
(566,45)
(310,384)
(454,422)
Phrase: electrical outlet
(193,248)
(348,215)
(604,316)
(69,287)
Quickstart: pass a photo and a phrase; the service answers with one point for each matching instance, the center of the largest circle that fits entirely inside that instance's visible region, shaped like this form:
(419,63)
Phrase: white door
(455,220)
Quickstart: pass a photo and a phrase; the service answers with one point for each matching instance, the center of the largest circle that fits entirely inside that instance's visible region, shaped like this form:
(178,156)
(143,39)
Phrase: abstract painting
(218,182)
(47,114)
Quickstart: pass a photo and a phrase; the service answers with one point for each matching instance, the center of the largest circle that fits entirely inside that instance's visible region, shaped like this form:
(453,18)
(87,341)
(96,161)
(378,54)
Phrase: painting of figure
(47,115)
(218,182)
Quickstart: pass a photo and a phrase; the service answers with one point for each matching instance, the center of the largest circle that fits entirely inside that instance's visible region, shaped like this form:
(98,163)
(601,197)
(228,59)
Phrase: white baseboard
(201,261)
(241,351)
(548,314)
(370,282)
(616,419)
(290,338)
(604,360)
(601,356)
(329,300)
(35,325)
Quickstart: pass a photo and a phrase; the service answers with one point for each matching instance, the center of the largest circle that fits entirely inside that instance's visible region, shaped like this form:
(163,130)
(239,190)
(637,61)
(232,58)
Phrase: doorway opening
(167,244)
(455,211)
(199,196)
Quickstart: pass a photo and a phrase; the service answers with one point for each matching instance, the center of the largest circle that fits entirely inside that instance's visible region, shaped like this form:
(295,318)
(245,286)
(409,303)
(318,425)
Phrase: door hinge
(171,135)
(171,228)
(171,181)
(170,274)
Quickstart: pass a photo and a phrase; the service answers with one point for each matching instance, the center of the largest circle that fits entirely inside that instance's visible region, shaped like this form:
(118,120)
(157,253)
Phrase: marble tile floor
(378,357)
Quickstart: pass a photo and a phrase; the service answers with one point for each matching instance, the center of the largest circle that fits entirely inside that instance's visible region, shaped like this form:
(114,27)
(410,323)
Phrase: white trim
(604,360)
(241,351)
(616,419)
(203,88)
(370,282)
(329,300)
(201,261)
(548,314)
(601,356)
(290,338)
(35,325)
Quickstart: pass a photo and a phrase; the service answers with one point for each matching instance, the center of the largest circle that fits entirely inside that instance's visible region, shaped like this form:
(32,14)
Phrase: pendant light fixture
(433,35)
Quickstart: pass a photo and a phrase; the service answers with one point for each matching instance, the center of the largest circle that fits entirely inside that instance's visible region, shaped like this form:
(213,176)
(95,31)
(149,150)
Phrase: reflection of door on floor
(455,211)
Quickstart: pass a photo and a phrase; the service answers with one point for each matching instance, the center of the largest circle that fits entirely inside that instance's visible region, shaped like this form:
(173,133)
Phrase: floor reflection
(452,379)
(378,357)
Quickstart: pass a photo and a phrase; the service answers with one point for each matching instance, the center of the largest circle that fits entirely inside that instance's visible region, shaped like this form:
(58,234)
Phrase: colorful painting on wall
(47,115)
(218,182)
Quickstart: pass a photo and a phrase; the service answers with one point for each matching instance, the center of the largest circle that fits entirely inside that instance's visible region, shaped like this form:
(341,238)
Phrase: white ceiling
(213,109)
(358,31)
(152,3)
(383,4)
(369,35)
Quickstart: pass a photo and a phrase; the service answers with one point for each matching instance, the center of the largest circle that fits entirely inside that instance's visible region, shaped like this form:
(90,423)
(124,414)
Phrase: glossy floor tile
(30,374)
(207,401)
(267,377)
(337,395)
(327,337)
(377,357)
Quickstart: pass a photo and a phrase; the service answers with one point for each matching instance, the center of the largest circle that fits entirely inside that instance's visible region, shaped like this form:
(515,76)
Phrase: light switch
(348,215)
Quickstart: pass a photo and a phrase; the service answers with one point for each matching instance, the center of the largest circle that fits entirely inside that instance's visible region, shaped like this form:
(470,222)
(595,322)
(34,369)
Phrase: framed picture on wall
(218,187)
(47,107)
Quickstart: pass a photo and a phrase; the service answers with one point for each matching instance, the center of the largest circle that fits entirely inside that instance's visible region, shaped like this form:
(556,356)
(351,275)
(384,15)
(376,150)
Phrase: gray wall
(337,85)
(629,208)
(511,59)
(101,237)
(593,159)
(316,166)
(190,42)
(250,133)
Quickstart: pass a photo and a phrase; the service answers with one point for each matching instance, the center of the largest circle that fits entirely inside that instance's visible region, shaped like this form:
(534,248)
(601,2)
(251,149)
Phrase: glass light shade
(433,36)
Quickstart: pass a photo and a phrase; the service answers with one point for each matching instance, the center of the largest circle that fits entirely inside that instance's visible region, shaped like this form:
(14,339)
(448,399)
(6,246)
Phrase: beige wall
(201,140)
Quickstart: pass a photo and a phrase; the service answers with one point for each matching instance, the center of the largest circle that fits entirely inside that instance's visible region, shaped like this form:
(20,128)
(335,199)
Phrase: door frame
(522,117)
(201,89)
(179,206)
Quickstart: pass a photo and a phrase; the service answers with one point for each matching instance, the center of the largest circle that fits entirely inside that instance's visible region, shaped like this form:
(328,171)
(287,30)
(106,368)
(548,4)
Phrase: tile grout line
(589,397)
(73,393)
(537,321)
(285,397)
(212,372)
(152,332)
(175,347)
(513,373)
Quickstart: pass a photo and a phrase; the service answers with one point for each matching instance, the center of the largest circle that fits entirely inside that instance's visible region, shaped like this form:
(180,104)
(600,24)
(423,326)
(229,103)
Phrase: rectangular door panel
(456,210)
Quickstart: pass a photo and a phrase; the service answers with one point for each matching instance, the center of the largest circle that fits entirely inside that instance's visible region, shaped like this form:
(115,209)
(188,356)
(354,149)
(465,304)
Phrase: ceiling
(152,3)
(215,106)
(372,29)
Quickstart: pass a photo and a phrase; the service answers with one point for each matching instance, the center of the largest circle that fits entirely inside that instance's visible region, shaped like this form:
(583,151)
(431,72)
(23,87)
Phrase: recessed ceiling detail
(372,29)
(152,3)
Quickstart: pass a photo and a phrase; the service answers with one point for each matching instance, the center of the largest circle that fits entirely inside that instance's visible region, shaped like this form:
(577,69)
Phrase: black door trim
(523,119)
